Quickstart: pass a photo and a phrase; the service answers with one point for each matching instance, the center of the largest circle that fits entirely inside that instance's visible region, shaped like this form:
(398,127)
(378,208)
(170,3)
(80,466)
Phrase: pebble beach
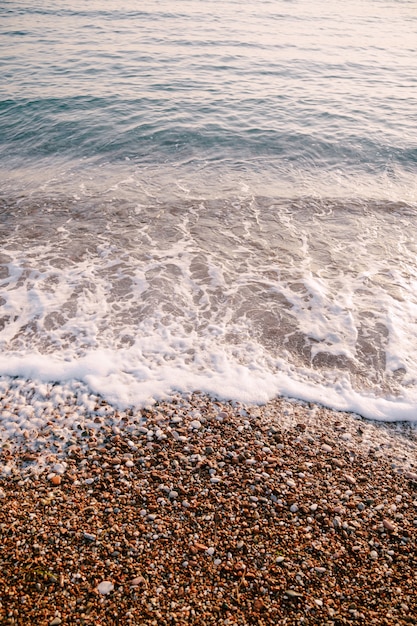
(196,511)
(208,313)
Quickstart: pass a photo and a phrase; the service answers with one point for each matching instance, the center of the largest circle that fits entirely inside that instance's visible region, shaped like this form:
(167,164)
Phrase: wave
(243,298)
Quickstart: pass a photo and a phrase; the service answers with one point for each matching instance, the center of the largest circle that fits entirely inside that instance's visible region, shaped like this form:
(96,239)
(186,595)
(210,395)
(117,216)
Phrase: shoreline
(195,511)
(39,428)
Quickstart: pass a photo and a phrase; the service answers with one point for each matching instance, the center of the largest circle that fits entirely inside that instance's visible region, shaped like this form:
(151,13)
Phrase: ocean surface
(214,196)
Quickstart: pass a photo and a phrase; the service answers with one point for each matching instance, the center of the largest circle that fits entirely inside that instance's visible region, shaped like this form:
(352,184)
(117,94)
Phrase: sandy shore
(202,512)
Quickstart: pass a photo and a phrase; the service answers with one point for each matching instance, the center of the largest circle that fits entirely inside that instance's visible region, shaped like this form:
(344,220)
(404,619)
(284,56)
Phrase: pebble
(350,479)
(89,536)
(55,622)
(293,594)
(56,480)
(195,425)
(389,525)
(105,587)
(326,448)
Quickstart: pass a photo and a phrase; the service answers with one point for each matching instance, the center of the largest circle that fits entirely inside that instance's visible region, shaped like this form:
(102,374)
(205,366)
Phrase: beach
(194,511)
(208,312)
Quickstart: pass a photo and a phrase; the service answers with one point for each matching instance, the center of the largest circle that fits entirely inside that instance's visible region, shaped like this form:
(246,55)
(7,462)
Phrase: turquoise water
(218,195)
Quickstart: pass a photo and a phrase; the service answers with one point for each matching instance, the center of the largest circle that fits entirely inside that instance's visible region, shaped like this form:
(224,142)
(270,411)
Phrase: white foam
(199,298)
(123,380)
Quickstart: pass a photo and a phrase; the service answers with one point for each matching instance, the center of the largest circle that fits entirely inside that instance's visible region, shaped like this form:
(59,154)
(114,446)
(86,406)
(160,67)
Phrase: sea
(211,195)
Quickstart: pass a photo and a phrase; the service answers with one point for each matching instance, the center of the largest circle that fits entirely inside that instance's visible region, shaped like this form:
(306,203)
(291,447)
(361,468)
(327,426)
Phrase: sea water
(211,195)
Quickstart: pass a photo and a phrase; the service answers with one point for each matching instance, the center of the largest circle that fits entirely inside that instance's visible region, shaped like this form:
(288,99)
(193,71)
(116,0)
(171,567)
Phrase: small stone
(56,480)
(173,495)
(373,554)
(138,580)
(292,594)
(195,425)
(55,622)
(294,508)
(105,587)
(210,551)
(89,537)
(326,448)
(350,479)
(313,507)
(389,525)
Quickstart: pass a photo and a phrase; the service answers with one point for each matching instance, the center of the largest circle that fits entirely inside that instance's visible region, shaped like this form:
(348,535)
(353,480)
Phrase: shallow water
(218,197)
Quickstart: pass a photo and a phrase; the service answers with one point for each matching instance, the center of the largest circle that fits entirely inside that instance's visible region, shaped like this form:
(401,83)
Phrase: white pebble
(105,587)
(195,424)
(210,551)
(89,537)
(59,468)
